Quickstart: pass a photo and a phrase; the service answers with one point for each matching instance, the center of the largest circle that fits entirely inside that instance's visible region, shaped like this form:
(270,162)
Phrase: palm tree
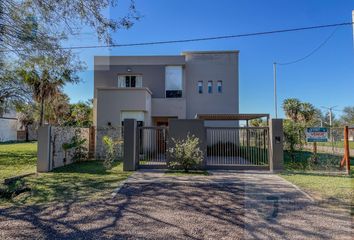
(307,112)
(292,108)
(46,77)
(26,116)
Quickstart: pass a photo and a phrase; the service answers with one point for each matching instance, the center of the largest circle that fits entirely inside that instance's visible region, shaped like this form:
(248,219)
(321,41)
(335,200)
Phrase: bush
(111,151)
(185,154)
(294,137)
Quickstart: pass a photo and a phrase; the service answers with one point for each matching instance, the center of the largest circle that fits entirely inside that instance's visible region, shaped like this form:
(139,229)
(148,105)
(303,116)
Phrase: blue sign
(316,134)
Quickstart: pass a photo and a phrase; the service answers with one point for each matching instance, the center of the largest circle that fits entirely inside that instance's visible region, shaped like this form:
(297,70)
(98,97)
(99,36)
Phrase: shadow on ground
(234,208)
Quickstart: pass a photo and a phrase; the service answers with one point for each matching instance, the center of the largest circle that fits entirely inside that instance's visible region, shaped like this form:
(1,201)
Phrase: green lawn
(78,181)
(17,159)
(335,188)
(322,183)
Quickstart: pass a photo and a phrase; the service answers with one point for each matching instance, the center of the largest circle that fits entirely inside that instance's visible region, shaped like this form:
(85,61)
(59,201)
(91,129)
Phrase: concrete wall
(107,69)
(205,66)
(110,103)
(168,107)
(50,146)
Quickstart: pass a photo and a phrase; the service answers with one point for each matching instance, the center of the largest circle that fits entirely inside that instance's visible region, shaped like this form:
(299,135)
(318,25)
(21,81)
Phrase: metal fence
(228,146)
(152,144)
(325,156)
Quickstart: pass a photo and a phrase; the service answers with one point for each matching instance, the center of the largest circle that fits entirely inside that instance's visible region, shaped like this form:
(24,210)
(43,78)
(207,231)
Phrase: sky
(326,78)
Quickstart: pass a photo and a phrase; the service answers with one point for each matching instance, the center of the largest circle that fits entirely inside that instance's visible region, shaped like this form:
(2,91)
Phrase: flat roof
(241,116)
(210,52)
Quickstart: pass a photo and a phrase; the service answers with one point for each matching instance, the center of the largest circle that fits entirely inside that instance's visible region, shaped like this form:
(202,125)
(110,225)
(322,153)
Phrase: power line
(312,52)
(205,38)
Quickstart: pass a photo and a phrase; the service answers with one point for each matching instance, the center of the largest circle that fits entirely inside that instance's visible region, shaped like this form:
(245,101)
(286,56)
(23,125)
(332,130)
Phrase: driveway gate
(235,146)
(152,146)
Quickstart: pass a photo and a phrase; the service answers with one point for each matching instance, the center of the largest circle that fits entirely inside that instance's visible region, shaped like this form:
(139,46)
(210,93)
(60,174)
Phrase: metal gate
(235,146)
(152,146)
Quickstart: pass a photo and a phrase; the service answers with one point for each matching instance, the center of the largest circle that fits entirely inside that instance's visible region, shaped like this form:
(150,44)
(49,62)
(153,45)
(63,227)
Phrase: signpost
(317,134)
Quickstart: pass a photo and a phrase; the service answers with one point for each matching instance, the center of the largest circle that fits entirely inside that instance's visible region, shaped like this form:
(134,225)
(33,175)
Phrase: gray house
(154,89)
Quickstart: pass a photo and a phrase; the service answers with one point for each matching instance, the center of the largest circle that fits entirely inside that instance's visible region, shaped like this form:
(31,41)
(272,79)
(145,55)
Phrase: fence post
(276,153)
(92,137)
(130,145)
(44,149)
(346,158)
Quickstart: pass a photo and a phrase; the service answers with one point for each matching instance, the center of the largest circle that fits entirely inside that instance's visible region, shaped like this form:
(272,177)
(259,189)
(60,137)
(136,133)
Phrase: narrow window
(132,81)
(127,81)
(219,86)
(200,86)
(173,81)
(210,86)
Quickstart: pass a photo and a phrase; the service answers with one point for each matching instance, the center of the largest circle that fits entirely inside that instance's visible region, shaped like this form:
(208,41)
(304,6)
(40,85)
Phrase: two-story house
(153,89)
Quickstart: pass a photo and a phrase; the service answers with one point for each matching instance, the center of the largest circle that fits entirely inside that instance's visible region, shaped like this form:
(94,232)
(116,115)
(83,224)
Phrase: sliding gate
(237,146)
(152,145)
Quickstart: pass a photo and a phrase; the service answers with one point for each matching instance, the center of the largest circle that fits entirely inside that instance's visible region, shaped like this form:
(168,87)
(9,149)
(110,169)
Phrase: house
(8,126)
(154,89)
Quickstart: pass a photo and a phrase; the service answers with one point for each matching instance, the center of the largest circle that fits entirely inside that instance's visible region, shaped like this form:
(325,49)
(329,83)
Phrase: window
(210,86)
(200,87)
(219,86)
(173,81)
(130,81)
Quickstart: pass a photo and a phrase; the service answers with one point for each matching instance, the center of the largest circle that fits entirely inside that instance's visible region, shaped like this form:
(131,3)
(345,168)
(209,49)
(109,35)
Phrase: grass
(17,159)
(82,180)
(75,182)
(189,173)
(337,144)
(329,186)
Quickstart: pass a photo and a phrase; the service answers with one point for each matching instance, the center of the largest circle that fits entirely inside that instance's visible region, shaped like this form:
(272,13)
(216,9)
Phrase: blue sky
(324,79)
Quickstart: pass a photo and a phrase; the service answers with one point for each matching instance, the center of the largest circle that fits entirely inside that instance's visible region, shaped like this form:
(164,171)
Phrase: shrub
(294,137)
(77,145)
(111,151)
(185,154)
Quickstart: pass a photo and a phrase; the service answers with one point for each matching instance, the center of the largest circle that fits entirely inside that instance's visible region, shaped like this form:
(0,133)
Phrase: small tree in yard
(185,154)
(111,151)
(293,137)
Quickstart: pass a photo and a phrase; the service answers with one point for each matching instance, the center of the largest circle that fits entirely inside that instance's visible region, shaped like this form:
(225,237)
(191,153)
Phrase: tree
(292,108)
(46,76)
(80,114)
(12,89)
(348,116)
(26,116)
(258,123)
(307,113)
(29,26)
(57,109)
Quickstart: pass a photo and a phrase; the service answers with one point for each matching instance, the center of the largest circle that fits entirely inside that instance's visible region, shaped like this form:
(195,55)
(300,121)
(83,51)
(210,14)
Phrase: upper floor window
(130,81)
(200,86)
(219,86)
(173,81)
(210,86)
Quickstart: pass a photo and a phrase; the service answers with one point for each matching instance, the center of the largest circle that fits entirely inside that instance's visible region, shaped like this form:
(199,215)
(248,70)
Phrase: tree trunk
(26,131)
(41,116)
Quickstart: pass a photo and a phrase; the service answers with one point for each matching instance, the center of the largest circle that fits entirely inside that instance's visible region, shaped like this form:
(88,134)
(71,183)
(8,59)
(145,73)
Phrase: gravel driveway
(151,205)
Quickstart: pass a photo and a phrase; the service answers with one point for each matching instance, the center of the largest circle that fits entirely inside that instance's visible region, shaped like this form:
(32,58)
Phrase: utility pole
(275,90)
(330,111)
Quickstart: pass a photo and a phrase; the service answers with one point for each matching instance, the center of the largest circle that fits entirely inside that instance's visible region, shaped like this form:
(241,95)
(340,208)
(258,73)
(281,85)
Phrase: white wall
(8,129)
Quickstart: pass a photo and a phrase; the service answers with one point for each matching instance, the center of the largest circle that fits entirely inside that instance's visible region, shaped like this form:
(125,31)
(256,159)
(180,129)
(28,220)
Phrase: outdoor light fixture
(129,69)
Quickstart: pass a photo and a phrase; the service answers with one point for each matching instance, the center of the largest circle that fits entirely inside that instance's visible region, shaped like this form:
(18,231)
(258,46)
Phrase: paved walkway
(152,205)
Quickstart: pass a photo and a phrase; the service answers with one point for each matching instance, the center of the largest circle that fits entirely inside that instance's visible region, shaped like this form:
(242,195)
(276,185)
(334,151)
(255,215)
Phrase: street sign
(316,134)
